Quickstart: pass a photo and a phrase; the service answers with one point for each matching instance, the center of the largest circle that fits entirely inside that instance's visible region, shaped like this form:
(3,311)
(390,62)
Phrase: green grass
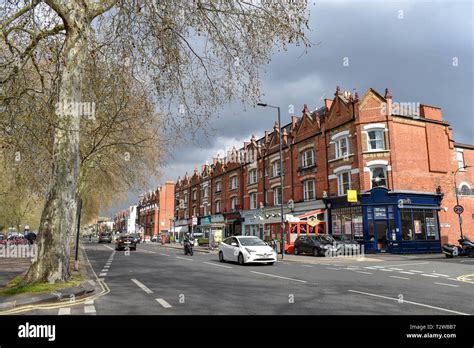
(14,288)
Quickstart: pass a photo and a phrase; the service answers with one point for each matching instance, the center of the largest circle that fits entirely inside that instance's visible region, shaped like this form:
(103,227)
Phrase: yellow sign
(352,195)
(312,221)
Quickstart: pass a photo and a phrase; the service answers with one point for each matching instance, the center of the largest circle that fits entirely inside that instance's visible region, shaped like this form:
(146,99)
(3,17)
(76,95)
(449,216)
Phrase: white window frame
(194,195)
(275,195)
(219,186)
(185,198)
(218,207)
(253,200)
(337,144)
(234,182)
(460,159)
(233,203)
(304,158)
(275,172)
(340,182)
(384,168)
(377,131)
(306,191)
(253,177)
(194,211)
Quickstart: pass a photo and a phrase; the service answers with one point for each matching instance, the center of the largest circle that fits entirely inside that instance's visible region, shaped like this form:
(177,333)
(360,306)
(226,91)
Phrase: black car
(125,241)
(316,245)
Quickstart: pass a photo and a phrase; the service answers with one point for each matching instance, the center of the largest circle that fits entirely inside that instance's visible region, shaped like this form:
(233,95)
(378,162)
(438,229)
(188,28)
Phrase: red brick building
(155,210)
(401,159)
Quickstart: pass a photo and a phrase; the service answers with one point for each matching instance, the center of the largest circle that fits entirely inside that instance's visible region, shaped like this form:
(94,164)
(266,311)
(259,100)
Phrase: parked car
(124,241)
(105,237)
(246,249)
(344,242)
(3,239)
(316,245)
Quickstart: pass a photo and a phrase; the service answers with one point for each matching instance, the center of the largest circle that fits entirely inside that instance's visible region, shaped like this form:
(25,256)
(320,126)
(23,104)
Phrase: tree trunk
(58,220)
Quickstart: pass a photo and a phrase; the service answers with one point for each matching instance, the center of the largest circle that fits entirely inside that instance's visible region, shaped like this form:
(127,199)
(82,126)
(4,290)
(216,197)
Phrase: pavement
(161,280)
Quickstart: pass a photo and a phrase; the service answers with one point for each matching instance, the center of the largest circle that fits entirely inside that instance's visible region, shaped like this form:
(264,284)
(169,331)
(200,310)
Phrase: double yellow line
(63,303)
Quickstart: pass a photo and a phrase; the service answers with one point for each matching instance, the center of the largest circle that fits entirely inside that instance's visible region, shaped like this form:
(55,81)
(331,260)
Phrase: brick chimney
(388,98)
(431,112)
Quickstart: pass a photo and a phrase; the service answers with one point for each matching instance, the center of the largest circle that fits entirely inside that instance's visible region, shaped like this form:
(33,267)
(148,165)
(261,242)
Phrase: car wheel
(296,251)
(270,263)
(221,256)
(110,241)
(315,252)
(240,259)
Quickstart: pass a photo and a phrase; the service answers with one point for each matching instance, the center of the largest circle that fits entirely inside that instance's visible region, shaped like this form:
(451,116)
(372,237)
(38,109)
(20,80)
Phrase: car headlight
(250,250)
(324,246)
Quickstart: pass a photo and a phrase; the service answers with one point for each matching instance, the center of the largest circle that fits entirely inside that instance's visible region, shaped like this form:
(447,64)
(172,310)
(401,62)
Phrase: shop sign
(380,213)
(352,195)
(217,218)
(205,220)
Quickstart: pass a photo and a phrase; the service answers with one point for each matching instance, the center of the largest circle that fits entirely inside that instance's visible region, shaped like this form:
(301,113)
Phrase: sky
(421,50)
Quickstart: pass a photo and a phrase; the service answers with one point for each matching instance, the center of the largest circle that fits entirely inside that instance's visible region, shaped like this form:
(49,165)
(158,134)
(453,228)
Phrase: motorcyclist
(187,240)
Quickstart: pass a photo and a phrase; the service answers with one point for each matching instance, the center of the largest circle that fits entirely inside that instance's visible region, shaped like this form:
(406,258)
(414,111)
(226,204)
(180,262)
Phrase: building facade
(402,162)
(155,210)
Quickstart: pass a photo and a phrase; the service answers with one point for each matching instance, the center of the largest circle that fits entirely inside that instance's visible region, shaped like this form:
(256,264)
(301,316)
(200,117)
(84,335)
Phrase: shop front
(389,221)
(252,223)
(233,224)
(211,229)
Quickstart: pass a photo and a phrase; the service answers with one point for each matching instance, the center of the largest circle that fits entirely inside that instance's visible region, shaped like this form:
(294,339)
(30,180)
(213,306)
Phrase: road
(159,280)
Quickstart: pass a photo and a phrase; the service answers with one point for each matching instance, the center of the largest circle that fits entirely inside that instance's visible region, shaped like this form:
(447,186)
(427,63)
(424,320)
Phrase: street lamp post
(283,231)
(457,198)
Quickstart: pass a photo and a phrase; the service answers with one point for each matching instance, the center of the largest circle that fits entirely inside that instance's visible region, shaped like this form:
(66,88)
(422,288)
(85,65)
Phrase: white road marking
(337,269)
(184,258)
(64,311)
(276,276)
(441,275)
(108,247)
(385,270)
(163,254)
(142,286)
(163,303)
(101,279)
(412,270)
(364,272)
(409,302)
(405,272)
(463,261)
(215,264)
(456,280)
(306,265)
(397,269)
(90,302)
(454,286)
(429,275)
(405,264)
(103,275)
(399,277)
(89,309)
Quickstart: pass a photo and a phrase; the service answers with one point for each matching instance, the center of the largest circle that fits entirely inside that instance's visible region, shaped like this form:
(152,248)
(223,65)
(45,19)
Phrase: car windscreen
(251,242)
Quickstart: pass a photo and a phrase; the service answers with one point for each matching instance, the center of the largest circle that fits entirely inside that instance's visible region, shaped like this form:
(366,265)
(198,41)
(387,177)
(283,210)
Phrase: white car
(246,249)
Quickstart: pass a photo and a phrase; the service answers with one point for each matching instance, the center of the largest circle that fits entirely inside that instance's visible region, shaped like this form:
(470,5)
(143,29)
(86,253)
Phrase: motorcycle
(188,248)
(465,248)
